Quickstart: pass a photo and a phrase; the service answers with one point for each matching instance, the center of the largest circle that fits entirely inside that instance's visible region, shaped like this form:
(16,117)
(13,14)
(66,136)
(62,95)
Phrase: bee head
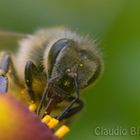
(71,58)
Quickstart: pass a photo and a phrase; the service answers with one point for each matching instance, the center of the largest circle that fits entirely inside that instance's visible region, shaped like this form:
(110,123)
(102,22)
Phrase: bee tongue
(51,103)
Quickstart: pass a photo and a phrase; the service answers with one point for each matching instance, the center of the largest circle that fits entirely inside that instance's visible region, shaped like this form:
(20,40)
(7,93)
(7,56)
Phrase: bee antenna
(76,85)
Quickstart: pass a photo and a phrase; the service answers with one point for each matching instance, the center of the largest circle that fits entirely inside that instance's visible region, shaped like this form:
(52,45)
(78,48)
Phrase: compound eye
(56,48)
(96,74)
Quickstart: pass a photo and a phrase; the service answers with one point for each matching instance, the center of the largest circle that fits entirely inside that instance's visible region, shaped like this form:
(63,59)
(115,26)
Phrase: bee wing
(9,40)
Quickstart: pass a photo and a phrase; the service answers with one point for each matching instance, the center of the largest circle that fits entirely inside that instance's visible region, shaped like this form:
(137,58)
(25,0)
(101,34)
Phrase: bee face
(74,59)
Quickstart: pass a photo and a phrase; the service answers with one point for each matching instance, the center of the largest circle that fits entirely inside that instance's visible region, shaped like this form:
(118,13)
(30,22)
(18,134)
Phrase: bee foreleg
(46,92)
(43,99)
(74,110)
(67,109)
(5,64)
(30,68)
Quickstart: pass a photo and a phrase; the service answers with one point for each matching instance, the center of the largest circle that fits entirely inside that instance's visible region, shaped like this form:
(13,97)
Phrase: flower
(18,123)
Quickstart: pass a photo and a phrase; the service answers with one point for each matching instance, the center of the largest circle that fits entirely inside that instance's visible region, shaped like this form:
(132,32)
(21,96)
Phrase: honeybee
(50,66)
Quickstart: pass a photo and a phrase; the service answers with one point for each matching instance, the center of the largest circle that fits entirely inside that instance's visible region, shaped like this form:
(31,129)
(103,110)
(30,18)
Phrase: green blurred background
(115,25)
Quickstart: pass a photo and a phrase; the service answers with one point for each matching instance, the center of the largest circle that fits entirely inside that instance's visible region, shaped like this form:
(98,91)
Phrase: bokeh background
(115,25)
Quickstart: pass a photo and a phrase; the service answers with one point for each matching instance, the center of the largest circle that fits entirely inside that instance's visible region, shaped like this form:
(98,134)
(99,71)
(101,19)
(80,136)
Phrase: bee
(52,66)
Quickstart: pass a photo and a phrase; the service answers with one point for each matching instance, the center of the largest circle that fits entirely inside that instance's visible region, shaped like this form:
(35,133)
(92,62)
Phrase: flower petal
(18,123)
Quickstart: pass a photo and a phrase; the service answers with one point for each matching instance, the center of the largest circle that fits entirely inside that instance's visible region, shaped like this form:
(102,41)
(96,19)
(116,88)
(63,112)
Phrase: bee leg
(45,93)
(42,99)
(3,84)
(67,109)
(74,110)
(4,67)
(5,64)
(30,68)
